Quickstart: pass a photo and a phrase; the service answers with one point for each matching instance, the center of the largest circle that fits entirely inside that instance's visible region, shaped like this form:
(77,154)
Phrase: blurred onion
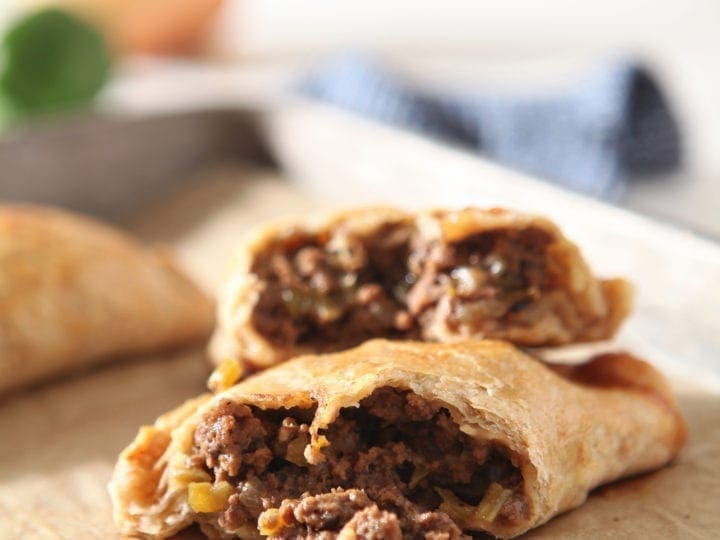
(167,27)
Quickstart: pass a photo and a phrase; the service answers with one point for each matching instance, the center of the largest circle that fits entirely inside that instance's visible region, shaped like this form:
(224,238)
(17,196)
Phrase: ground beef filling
(386,470)
(343,291)
(485,280)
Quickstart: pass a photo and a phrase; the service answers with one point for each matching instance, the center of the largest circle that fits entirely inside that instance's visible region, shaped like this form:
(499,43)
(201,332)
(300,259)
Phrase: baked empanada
(396,439)
(328,284)
(74,292)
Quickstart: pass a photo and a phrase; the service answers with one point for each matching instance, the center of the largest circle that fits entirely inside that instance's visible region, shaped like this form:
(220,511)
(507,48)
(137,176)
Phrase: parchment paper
(60,441)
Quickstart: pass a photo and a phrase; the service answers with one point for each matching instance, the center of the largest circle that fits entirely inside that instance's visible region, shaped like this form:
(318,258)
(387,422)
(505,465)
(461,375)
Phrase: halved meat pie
(330,284)
(396,440)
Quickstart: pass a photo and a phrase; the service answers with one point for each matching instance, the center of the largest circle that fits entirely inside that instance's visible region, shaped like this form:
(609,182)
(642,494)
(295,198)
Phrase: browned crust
(609,426)
(623,371)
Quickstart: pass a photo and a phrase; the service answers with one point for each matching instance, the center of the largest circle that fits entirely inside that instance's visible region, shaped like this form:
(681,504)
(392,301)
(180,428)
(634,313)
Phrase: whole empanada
(74,292)
(396,439)
(329,283)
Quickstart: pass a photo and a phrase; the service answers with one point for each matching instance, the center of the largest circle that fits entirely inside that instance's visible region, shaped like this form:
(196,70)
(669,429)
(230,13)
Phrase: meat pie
(396,440)
(330,284)
(74,292)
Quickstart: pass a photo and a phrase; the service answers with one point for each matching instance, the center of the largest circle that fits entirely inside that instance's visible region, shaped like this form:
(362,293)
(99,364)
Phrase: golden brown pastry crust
(617,420)
(74,291)
(586,309)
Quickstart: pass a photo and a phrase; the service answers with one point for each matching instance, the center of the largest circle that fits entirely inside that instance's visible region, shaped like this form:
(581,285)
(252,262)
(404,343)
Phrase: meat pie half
(308,287)
(396,440)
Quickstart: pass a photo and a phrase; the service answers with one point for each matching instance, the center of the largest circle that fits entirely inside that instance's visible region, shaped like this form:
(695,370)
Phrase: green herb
(51,62)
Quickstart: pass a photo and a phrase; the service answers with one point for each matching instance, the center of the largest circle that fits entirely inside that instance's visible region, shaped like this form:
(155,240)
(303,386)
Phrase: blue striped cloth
(609,125)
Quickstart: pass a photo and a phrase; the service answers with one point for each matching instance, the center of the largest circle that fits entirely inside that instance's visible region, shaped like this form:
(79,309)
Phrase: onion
(475,517)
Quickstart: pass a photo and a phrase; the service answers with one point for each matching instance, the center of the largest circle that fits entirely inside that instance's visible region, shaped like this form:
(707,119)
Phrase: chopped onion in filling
(206,497)
(475,517)
(225,375)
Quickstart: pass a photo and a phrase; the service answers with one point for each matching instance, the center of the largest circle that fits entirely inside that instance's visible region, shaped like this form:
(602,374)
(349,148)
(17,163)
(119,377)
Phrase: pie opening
(396,466)
(336,292)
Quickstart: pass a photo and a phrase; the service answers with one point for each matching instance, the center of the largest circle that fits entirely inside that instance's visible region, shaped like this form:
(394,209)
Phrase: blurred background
(106,104)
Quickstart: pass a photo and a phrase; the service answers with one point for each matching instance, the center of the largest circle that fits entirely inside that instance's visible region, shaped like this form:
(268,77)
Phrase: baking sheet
(60,441)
